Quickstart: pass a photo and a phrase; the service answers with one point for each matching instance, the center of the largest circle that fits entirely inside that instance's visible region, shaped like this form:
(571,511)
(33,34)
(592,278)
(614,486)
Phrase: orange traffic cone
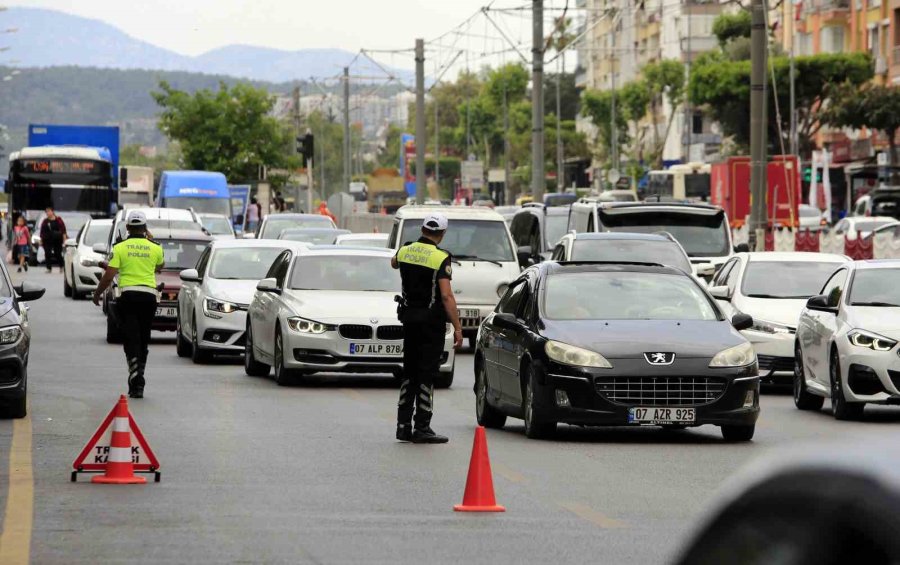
(479,495)
(119,468)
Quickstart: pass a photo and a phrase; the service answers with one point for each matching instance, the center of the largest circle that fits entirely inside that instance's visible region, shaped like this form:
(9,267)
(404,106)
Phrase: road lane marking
(508,474)
(15,531)
(591,515)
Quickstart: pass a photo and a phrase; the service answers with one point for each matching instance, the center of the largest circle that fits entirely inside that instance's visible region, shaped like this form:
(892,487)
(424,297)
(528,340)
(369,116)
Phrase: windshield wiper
(475,258)
(875,303)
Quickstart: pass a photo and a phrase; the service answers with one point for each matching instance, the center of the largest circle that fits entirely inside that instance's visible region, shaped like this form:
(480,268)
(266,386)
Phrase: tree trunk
(656,147)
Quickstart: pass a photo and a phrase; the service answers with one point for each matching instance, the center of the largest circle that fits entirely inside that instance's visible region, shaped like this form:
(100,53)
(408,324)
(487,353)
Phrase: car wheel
(113,335)
(198,354)
(182,346)
(738,433)
(536,425)
(840,408)
(283,375)
(252,367)
(803,399)
(445,380)
(67,288)
(487,415)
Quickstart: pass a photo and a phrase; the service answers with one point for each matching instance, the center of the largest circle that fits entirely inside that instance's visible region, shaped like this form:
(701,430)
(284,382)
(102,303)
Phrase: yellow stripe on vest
(423,255)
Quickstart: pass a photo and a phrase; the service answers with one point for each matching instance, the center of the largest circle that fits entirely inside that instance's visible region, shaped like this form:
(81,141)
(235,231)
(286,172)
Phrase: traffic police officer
(136,260)
(427,305)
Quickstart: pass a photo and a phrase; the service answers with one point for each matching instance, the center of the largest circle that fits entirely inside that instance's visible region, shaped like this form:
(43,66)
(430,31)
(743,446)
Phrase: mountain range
(50,38)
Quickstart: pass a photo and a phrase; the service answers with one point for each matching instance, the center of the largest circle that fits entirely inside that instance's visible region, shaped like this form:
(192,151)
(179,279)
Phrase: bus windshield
(77,185)
(201,205)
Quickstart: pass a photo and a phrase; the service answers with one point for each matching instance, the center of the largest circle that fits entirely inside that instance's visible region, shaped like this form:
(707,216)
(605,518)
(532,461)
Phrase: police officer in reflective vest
(425,308)
(136,260)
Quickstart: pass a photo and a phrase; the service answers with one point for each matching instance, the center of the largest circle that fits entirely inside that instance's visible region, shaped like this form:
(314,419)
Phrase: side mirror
(100,249)
(706,270)
(505,321)
(720,292)
(71,242)
(249,235)
(820,304)
(28,291)
(742,322)
(525,256)
(742,248)
(190,275)
(268,285)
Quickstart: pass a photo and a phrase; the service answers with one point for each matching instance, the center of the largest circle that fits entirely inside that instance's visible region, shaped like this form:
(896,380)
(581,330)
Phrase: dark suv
(536,229)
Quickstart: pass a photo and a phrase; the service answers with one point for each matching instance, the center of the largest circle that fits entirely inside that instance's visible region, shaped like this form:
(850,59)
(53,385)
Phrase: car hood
(342,306)
(476,282)
(630,339)
(781,311)
(885,321)
(237,291)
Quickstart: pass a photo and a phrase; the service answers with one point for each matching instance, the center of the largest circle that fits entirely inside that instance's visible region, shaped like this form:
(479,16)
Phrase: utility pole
(347,149)
(437,145)
(560,166)
(506,147)
(295,100)
(537,100)
(758,184)
(794,141)
(613,129)
(688,112)
(421,136)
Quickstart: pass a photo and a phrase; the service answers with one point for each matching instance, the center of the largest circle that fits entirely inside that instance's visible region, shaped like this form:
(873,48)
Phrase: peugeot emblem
(659,358)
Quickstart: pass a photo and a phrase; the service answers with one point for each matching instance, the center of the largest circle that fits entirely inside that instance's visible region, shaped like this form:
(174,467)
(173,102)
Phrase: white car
(861,226)
(218,225)
(378,240)
(484,257)
(332,310)
(811,218)
(847,337)
(213,301)
(772,288)
(82,269)
(273,224)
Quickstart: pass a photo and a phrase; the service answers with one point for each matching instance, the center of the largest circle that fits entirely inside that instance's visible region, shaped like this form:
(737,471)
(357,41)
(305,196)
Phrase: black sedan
(602,344)
(15,339)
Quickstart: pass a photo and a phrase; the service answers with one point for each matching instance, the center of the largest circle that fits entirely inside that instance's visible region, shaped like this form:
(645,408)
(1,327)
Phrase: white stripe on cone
(119,455)
(121,425)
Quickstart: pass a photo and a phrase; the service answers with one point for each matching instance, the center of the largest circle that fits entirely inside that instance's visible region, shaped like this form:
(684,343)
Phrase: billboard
(240,198)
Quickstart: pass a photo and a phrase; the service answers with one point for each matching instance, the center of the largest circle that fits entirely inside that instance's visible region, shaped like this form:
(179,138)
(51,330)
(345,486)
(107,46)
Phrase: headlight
(308,326)
(737,356)
(10,334)
(771,327)
(576,356)
(88,262)
(220,306)
(862,338)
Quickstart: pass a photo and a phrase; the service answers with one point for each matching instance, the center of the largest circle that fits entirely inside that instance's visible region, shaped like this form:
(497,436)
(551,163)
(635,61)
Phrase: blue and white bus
(205,192)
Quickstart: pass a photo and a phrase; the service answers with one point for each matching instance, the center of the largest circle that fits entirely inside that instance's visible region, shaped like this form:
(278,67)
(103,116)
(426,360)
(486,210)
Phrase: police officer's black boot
(135,379)
(404,432)
(424,434)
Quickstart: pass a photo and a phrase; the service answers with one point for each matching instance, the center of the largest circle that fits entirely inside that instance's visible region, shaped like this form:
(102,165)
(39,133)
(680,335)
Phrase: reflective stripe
(119,455)
(423,255)
(120,425)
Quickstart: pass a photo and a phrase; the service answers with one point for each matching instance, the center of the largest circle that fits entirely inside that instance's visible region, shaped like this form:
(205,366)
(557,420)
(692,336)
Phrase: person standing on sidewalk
(22,241)
(136,260)
(53,234)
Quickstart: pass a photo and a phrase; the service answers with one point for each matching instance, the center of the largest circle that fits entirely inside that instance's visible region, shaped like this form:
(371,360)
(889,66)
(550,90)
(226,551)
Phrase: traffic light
(807,174)
(306,147)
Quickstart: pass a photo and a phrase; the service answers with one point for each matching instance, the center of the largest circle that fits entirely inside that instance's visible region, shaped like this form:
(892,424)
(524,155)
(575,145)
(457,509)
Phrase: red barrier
(770,240)
(806,241)
(859,249)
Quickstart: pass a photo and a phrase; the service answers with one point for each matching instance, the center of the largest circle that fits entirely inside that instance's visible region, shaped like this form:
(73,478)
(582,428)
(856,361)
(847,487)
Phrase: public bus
(68,178)
(680,182)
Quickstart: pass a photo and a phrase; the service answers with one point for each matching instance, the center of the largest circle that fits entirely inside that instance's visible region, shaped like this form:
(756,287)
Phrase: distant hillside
(47,38)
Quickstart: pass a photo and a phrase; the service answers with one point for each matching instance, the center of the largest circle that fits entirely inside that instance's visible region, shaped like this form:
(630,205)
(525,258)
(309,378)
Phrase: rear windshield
(630,250)
(181,254)
(701,235)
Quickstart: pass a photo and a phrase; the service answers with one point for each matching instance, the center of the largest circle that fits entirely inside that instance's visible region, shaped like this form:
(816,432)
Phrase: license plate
(640,415)
(165,312)
(470,313)
(376,349)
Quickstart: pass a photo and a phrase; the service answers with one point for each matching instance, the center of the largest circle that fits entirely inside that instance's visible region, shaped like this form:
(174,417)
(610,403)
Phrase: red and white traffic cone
(119,468)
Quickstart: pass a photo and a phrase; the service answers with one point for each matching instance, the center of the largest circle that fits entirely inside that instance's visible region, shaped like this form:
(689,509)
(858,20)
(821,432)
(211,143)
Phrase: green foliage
(597,104)
(229,130)
(569,95)
(729,26)
(870,105)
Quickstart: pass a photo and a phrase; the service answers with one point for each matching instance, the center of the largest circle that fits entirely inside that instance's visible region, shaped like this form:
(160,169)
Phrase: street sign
(472,175)
(613,176)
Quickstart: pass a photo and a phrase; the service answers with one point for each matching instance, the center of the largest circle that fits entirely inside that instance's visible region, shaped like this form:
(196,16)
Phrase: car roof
(412,212)
(794,256)
(608,235)
(877,264)
(294,216)
(101,221)
(156,213)
(637,207)
(164,233)
(349,250)
(555,268)
(256,243)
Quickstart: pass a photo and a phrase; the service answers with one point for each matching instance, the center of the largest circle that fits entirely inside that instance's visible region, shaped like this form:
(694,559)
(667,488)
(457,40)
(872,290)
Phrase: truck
(680,182)
(386,190)
(730,189)
(135,186)
(204,192)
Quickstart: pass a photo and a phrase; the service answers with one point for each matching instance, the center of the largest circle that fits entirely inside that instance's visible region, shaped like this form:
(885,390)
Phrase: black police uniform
(422,265)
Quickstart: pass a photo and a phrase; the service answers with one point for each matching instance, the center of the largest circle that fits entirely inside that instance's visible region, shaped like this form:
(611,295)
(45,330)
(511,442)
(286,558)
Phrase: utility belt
(118,290)
(415,314)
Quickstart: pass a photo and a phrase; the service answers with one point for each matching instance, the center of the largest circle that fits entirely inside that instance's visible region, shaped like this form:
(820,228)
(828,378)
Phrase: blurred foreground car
(15,341)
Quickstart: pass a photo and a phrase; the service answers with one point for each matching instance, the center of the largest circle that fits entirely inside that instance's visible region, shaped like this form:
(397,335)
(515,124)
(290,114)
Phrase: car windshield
(181,254)
(242,263)
(792,279)
(875,287)
(274,226)
(96,233)
(625,296)
(345,272)
(701,235)
(556,226)
(363,242)
(217,226)
(472,240)
(313,236)
(201,205)
(638,251)
(696,185)
(872,225)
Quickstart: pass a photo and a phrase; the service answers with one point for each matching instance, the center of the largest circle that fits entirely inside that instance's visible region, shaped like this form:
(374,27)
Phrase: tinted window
(346,273)
(182,254)
(700,235)
(249,263)
(660,184)
(625,296)
(793,280)
(473,240)
(510,302)
(696,185)
(555,227)
(834,288)
(661,252)
(875,287)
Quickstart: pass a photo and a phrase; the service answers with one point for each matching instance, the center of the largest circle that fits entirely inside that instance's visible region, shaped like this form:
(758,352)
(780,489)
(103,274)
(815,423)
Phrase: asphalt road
(256,473)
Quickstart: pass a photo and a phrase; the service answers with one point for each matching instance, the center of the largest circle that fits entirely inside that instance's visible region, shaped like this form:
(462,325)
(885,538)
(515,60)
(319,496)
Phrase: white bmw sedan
(847,341)
(330,310)
(212,304)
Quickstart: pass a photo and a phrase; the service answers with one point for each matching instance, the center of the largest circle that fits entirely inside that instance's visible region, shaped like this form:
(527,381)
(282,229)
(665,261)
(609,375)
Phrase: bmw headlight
(869,340)
(305,326)
(90,262)
(737,356)
(765,327)
(575,356)
(219,306)
(10,334)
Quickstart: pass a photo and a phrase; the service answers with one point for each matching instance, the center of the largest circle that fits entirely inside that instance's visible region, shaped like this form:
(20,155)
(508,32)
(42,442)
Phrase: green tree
(729,26)
(597,104)
(871,106)
(229,130)
(665,81)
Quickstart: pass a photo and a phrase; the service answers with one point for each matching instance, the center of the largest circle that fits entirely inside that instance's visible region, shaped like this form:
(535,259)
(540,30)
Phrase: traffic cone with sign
(479,495)
(119,466)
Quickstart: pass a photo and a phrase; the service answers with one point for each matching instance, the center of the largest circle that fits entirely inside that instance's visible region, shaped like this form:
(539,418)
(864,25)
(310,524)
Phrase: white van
(484,256)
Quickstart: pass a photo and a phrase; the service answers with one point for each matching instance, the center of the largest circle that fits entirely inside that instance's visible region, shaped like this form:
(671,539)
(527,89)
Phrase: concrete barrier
(369,223)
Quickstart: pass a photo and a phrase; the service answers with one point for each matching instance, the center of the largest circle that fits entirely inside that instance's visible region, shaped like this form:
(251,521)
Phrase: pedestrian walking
(53,233)
(427,305)
(136,260)
(254,211)
(22,241)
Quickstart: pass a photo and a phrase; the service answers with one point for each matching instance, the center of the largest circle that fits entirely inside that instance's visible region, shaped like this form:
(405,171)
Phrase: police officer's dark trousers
(423,347)
(135,311)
